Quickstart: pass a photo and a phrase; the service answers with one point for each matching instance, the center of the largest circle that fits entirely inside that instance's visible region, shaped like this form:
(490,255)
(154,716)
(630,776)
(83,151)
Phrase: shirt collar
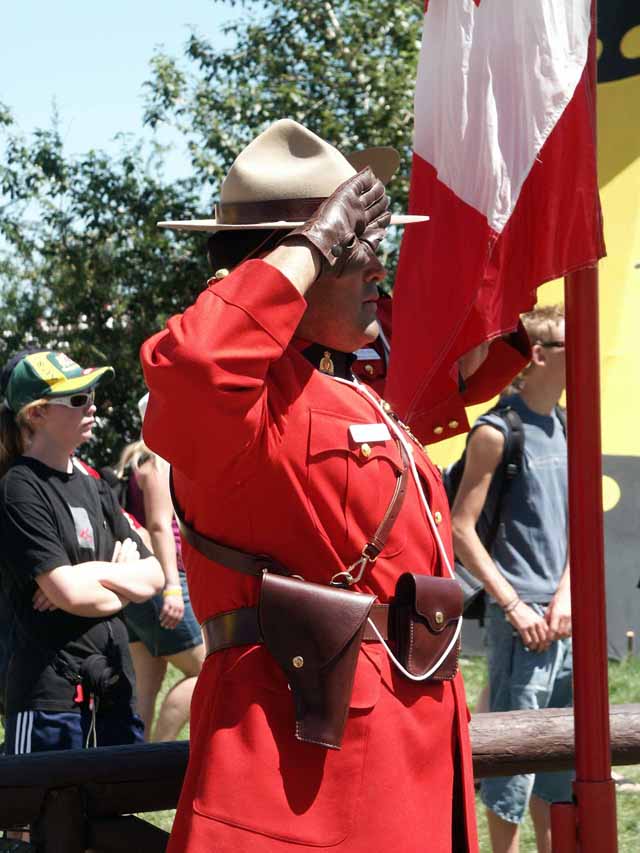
(327,360)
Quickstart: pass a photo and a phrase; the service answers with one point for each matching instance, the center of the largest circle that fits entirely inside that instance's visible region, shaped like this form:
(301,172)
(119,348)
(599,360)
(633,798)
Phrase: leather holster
(426,614)
(314,632)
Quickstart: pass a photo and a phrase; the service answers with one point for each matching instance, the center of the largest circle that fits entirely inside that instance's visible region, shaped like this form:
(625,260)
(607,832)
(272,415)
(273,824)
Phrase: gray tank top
(530,548)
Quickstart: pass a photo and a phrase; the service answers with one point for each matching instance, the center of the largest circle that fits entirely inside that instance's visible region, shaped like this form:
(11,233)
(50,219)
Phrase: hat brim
(81,383)
(212,225)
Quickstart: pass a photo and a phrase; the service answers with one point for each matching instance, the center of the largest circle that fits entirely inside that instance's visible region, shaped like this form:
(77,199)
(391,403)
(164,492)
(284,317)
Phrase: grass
(624,687)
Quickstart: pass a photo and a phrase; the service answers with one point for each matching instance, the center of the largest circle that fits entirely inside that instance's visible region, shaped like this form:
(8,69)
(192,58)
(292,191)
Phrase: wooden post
(124,834)
(64,794)
(61,825)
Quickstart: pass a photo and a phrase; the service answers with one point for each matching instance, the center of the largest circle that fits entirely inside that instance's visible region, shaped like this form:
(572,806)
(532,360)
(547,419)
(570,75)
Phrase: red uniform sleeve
(442,414)
(207,372)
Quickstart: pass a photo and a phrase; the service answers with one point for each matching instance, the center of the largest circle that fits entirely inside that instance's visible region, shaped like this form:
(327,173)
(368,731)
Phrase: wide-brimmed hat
(28,377)
(281,178)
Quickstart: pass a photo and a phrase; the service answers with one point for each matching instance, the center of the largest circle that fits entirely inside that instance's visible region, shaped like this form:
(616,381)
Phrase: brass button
(386,406)
(439,615)
(365,450)
(438,430)
(437,517)
(368,369)
(453,424)
(298,660)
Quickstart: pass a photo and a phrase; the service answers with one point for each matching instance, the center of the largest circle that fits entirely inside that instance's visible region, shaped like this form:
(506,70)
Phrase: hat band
(255,212)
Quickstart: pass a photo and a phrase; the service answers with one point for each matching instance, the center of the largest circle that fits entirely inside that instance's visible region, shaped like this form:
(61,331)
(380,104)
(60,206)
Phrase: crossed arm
(484,453)
(97,588)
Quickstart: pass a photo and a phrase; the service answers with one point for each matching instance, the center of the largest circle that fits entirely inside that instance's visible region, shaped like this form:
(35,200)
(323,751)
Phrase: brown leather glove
(348,226)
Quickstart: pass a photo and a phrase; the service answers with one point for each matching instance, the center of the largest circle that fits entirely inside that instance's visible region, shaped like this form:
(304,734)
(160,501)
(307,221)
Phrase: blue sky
(91,59)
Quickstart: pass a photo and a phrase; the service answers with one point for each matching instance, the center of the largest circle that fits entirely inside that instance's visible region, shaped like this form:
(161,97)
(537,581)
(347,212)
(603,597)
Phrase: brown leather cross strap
(379,538)
(231,558)
(242,628)
(256,564)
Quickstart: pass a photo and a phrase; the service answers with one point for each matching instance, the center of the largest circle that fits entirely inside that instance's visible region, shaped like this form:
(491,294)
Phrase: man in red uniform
(276,450)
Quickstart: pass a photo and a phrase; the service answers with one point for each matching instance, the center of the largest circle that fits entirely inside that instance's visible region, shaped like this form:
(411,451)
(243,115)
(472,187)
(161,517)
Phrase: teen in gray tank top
(530,548)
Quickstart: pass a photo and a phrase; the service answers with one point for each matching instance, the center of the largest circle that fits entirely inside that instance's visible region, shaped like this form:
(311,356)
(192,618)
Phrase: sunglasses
(74,401)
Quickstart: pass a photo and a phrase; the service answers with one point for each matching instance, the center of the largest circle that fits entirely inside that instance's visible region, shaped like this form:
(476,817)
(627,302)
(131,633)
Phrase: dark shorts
(143,624)
(42,731)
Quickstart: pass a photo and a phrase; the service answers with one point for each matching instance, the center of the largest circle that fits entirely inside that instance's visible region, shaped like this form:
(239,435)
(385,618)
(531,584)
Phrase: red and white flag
(505,165)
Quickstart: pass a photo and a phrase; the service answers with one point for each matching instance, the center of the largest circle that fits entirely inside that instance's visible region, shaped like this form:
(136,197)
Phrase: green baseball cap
(48,374)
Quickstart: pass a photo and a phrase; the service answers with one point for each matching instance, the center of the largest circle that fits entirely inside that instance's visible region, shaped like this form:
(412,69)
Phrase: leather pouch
(314,632)
(426,614)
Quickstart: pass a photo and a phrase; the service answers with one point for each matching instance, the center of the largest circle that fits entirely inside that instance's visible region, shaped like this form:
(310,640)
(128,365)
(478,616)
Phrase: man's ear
(538,355)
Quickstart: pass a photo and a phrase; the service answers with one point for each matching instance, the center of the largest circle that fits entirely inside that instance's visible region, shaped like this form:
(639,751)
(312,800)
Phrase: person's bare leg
(505,836)
(541,817)
(482,705)
(174,711)
(18,835)
(149,672)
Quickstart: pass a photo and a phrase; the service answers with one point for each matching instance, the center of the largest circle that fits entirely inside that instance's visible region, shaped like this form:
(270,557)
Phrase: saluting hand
(347,228)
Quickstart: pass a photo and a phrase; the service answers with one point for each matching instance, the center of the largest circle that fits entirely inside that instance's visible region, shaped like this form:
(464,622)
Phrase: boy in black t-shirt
(69,562)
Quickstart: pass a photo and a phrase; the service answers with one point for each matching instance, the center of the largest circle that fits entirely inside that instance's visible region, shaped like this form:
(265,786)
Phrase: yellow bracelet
(172,591)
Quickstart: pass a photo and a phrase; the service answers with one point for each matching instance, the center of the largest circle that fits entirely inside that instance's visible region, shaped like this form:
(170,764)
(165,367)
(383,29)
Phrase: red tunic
(264,461)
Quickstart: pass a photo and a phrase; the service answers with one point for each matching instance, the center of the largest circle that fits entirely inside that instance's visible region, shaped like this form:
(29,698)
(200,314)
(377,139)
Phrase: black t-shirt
(49,519)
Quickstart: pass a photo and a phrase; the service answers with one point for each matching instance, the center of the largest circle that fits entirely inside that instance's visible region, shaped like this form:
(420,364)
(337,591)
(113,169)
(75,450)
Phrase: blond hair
(133,456)
(538,325)
(540,322)
(15,433)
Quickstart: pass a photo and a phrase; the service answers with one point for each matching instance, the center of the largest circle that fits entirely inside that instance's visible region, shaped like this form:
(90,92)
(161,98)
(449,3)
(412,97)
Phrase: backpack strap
(509,467)
(561,412)
(514,442)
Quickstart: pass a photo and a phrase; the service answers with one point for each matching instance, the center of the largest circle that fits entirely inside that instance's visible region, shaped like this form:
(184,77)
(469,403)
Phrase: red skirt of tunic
(250,786)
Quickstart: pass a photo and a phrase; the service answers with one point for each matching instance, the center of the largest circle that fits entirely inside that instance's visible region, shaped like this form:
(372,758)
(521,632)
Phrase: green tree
(84,268)
(346,70)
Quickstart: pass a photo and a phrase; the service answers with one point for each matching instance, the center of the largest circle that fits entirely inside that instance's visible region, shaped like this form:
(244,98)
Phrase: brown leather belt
(242,628)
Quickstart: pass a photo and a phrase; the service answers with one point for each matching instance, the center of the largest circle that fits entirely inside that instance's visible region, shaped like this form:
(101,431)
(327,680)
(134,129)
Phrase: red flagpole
(594,790)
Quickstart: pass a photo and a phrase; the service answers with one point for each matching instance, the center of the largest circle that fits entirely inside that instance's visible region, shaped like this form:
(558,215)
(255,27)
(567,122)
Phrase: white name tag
(367,354)
(362,433)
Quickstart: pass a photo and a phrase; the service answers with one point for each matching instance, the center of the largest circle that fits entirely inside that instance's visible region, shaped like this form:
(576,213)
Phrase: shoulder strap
(514,442)
(561,412)
(379,539)
(452,475)
(231,558)
(509,468)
